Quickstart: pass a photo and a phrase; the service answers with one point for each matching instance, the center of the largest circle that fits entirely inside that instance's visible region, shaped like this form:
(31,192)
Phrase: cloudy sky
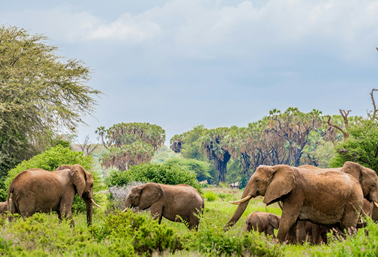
(180,63)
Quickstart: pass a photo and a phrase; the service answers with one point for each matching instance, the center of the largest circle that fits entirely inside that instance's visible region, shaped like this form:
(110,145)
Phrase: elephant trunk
(89,204)
(238,213)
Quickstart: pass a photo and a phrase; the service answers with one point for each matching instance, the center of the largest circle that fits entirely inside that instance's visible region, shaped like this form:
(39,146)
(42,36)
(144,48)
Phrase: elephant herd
(313,200)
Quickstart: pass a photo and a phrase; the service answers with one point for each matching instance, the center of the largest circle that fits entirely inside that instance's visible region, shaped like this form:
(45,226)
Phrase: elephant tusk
(242,200)
(125,209)
(95,203)
(376,204)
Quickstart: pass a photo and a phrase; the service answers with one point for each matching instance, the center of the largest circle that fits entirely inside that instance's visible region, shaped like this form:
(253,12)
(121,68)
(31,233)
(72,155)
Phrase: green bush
(168,174)
(210,196)
(52,159)
(201,168)
(360,147)
(142,234)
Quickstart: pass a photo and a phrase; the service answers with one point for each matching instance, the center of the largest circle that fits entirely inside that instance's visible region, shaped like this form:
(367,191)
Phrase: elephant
(262,222)
(3,207)
(328,198)
(312,233)
(173,202)
(38,190)
(367,178)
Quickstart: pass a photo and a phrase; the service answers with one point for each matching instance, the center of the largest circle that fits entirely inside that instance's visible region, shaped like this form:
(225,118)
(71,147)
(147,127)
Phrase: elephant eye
(373,185)
(257,180)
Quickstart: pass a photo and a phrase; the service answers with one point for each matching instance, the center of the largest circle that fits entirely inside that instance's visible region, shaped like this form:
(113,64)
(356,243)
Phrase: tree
(215,148)
(87,147)
(130,144)
(361,145)
(40,93)
(189,143)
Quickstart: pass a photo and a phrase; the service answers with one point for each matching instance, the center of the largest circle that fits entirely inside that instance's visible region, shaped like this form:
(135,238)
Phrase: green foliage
(52,159)
(209,196)
(163,154)
(360,147)
(38,94)
(139,232)
(168,174)
(201,168)
(130,143)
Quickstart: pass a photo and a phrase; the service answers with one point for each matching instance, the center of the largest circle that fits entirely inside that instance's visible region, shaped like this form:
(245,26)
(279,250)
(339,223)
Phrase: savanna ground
(131,234)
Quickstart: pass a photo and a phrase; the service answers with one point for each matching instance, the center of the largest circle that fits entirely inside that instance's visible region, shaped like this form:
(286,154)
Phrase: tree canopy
(40,93)
(130,144)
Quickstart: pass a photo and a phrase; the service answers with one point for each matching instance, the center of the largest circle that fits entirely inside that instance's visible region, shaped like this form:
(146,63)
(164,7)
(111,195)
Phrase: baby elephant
(262,222)
(171,202)
(3,207)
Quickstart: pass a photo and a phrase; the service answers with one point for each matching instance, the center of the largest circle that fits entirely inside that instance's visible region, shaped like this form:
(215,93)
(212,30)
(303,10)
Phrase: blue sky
(181,63)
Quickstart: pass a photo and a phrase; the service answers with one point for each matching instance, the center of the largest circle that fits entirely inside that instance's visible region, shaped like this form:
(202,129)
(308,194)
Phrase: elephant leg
(290,213)
(301,232)
(156,211)
(350,219)
(270,231)
(65,211)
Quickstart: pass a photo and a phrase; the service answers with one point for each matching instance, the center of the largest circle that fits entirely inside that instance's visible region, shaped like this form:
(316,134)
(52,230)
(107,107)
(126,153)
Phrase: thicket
(52,159)
(360,147)
(123,234)
(202,169)
(169,174)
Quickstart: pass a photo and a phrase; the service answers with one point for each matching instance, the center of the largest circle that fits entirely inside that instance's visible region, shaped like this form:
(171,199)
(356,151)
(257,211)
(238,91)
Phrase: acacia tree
(40,92)
(130,143)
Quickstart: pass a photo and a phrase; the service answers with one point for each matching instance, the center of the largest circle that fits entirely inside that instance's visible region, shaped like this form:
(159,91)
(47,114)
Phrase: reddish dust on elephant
(305,195)
(173,202)
(38,190)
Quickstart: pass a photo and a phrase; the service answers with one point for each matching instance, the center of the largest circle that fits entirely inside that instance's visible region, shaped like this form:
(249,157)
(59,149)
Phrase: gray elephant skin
(173,202)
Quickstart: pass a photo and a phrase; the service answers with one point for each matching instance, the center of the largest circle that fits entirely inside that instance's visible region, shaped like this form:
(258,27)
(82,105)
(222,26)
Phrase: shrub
(202,169)
(52,159)
(210,196)
(360,147)
(143,234)
(159,173)
(119,194)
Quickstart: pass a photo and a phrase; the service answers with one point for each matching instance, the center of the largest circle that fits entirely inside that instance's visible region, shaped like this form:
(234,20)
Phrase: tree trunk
(221,166)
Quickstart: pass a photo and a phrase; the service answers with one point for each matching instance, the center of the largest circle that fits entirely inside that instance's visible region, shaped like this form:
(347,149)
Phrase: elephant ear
(79,178)
(283,181)
(274,220)
(150,194)
(353,169)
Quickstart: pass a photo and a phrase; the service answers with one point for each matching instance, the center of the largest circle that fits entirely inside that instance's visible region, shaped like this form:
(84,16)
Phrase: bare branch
(373,102)
(346,135)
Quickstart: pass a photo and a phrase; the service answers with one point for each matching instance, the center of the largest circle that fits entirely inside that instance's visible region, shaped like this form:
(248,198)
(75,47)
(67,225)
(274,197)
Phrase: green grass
(128,234)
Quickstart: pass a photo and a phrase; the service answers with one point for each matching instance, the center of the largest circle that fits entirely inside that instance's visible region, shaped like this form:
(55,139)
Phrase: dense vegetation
(131,234)
(130,144)
(169,174)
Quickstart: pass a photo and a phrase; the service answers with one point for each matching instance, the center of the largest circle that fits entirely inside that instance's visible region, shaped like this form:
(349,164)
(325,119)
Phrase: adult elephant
(262,222)
(38,190)
(367,178)
(329,198)
(173,202)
